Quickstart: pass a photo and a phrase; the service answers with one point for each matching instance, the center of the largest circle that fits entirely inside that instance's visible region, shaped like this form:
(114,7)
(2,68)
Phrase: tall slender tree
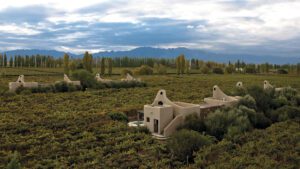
(102,66)
(88,62)
(5,60)
(110,64)
(66,64)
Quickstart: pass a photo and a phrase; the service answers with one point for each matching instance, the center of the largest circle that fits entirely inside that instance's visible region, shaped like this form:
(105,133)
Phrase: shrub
(257,119)
(193,122)
(14,162)
(205,70)
(250,70)
(218,70)
(65,87)
(262,97)
(160,69)
(285,113)
(229,69)
(143,70)
(125,71)
(288,92)
(184,142)
(279,102)
(296,100)
(282,71)
(248,101)
(86,78)
(226,122)
(118,116)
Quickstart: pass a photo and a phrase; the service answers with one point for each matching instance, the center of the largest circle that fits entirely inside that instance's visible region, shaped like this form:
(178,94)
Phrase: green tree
(178,65)
(66,64)
(110,64)
(88,62)
(1,60)
(102,66)
(11,62)
(5,60)
(182,64)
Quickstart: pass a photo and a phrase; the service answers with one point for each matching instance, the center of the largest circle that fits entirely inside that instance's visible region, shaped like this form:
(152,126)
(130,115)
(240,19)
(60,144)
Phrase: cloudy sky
(233,26)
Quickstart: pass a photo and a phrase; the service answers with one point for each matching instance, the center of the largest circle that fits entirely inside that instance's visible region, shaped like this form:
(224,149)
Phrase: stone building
(13,86)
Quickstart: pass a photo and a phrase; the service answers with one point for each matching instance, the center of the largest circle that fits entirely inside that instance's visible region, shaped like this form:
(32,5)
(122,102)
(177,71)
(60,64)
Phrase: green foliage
(230,69)
(160,69)
(205,70)
(183,143)
(66,64)
(60,87)
(102,66)
(248,101)
(287,92)
(270,148)
(88,62)
(193,122)
(285,113)
(86,79)
(257,119)
(218,70)
(118,116)
(143,70)
(282,71)
(227,122)
(14,162)
(262,97)
(110,65)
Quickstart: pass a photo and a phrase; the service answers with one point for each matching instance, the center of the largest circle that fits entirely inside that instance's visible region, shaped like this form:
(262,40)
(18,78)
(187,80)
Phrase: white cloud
(18,30)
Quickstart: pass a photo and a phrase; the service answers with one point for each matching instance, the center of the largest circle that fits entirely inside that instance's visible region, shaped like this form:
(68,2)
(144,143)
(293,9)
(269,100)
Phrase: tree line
(182,65)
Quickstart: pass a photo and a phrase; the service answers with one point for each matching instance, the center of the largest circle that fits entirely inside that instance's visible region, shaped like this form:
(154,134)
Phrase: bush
(229,69)
(160,69)
(125,71)
(193,122)
(65,87)
(86,79)
(285,113)
(262,97)
(218,70)
(248,101)
(143,70)
(250,70)
(14,162)
(282,71)
(288,92)
(205,70)
(279,102)
(257,119)
(118,116)
(184,142)
(227,122)
(296,100)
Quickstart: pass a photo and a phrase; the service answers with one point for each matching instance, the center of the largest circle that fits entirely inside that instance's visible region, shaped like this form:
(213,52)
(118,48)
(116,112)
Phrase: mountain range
(166,53)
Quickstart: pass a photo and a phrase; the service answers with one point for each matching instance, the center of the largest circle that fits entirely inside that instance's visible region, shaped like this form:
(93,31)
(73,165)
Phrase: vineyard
(72,130)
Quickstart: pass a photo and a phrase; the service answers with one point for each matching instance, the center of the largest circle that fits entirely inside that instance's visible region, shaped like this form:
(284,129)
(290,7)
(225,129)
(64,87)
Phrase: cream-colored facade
(267,85)
(130,78)
(69,81)
(100,79)
(220,98)
(163,116)
(13,86)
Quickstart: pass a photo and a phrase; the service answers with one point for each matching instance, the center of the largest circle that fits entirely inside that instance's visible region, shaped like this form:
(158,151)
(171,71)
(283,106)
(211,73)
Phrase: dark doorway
(155,126)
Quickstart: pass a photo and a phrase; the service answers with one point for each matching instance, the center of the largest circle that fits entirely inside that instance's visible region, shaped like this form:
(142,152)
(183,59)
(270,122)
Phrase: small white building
(13,86)
(163,116)
(220,98)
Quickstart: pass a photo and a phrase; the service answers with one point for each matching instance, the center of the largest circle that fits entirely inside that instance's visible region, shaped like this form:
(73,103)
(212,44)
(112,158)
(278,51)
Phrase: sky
(262,27)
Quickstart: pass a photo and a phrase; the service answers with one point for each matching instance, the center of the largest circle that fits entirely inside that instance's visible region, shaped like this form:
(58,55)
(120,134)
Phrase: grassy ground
(69,129)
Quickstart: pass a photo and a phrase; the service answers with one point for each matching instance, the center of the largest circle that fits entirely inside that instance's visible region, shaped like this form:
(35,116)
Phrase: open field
(70,130)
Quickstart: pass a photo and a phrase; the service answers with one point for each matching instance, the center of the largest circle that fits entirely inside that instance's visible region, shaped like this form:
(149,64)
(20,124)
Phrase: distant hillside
(168,53)
(24,52)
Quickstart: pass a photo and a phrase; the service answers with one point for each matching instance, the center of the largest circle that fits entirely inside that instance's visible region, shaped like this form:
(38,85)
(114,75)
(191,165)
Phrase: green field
(70,130)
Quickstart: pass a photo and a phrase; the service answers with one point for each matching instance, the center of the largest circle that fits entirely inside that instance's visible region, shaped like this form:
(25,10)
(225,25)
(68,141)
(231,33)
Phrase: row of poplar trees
(87,63)
(182,65)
